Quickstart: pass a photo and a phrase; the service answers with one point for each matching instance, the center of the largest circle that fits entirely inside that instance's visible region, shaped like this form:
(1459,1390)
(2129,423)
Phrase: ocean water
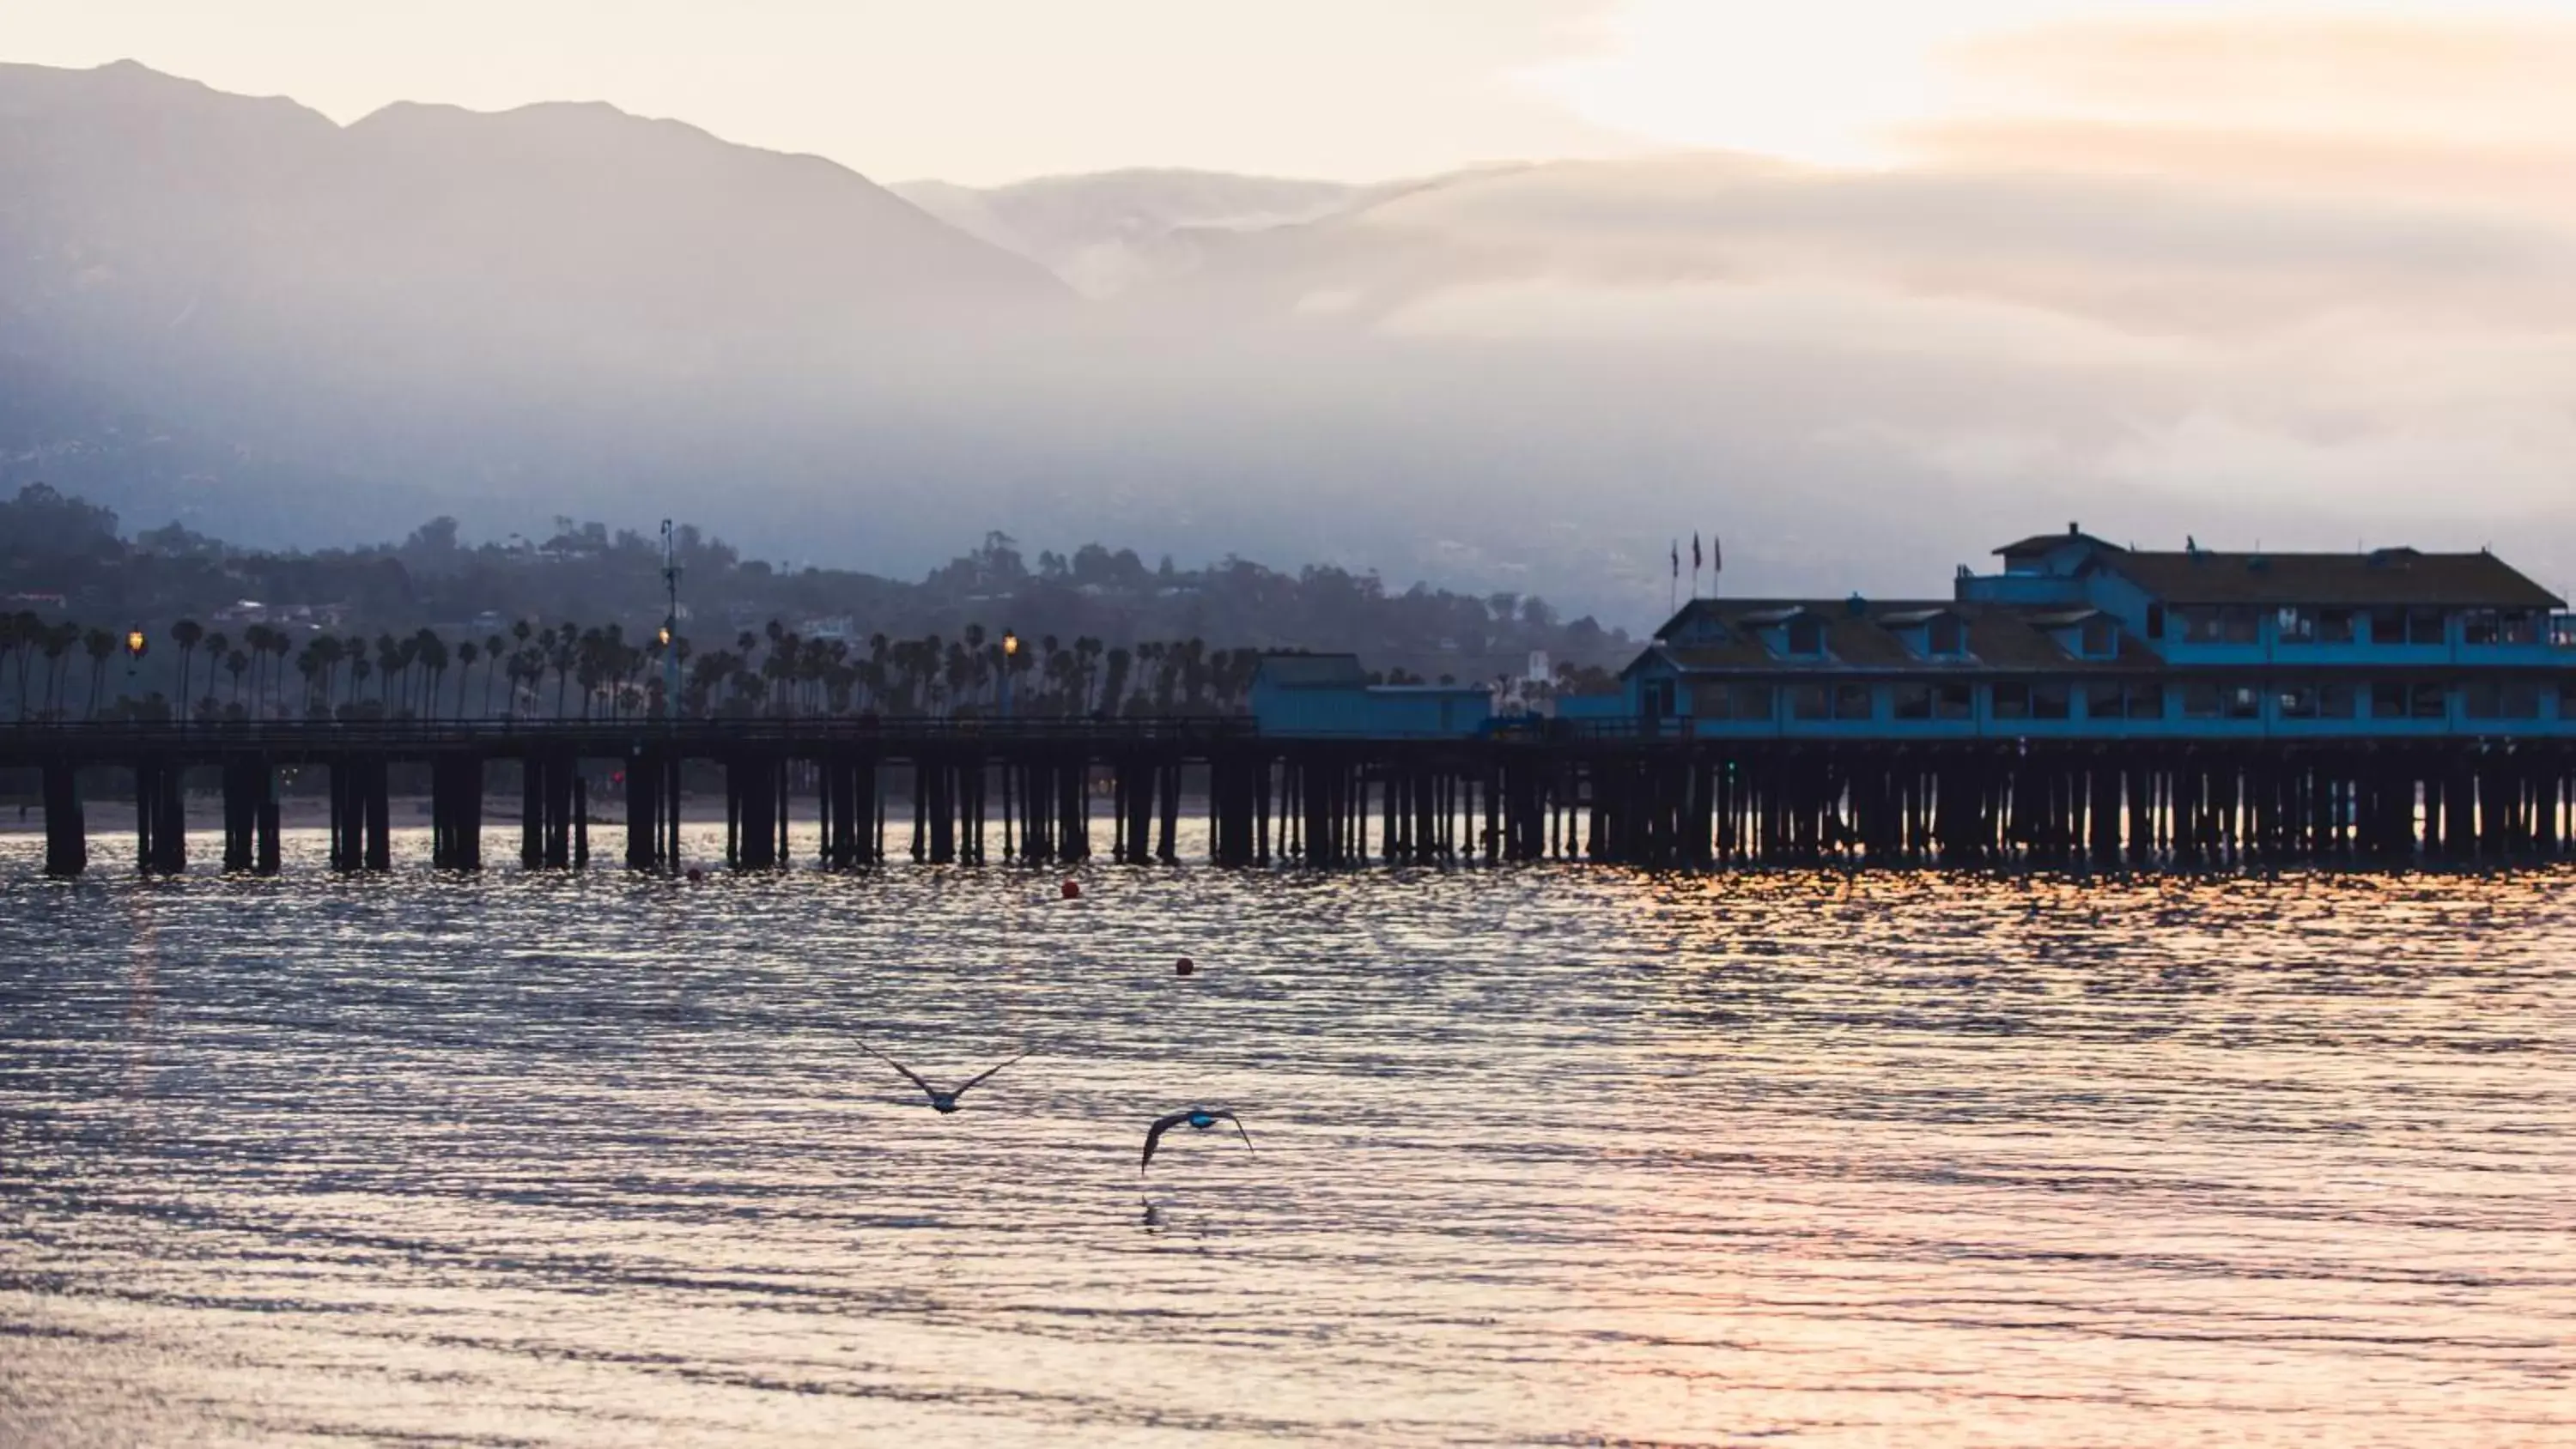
(1539,1156)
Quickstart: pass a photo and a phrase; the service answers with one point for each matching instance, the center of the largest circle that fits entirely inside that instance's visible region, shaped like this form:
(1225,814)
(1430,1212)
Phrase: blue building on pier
(2079,638)
(1323,695)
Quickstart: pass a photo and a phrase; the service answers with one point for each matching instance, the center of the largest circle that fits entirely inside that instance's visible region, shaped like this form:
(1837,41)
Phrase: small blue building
(2079,638)
(1330,694)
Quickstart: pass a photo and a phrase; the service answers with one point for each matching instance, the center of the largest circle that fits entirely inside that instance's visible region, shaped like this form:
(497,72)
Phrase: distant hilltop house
(1299,695)
(2077,637)
(252,611)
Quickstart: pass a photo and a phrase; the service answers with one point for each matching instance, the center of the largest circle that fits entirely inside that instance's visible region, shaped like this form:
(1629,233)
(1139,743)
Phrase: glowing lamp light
(666,636)
(134,643)
(1010,643)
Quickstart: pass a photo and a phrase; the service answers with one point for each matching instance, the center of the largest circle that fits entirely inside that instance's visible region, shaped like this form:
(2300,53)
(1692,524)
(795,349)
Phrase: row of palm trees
(567,670)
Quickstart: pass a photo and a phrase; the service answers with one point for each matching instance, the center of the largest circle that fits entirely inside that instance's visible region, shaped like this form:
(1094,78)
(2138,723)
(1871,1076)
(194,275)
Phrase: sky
(2262,271)
(985,91)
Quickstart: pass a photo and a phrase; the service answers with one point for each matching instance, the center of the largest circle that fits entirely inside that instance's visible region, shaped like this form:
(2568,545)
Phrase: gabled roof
(1311,671)
(2356,580)
(2041,543)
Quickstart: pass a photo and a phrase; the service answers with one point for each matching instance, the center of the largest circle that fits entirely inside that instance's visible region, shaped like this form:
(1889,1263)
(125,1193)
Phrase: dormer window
(1702,627)
(1805,637)
(1929,633)
(2084,633)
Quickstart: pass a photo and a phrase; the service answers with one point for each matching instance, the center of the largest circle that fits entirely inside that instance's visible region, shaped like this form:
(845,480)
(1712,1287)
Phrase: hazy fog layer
(2179,318)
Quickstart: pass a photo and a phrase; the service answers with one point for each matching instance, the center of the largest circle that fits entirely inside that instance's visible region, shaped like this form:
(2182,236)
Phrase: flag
(1695,559)
(1677,558)
(1716,557)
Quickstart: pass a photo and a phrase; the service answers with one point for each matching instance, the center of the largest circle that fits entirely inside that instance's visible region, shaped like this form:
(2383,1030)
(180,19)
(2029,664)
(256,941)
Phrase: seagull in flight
(1198,1117)
(940,1102)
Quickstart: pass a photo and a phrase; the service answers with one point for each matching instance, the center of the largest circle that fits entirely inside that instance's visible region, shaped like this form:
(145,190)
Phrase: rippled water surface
(1542,1155)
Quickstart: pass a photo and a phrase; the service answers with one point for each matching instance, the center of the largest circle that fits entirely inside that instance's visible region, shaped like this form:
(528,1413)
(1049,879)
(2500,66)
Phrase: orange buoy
(1073,890)
(1184,966)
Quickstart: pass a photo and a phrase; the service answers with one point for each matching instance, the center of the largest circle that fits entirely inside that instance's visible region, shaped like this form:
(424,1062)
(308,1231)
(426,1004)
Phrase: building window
(1749,701)
(2050,701)
(2104,701)
(1806,637)
(2407,626)
(2407,701)
(2155,621)
(1945,637)
(2567,699)
(2299,701)
(1953,701)
(2508,699)
(2146,701)
(1851,701)
(2009,701)
(1911,701)
(2338,701)
(2499,626)
(2211,624)
(1808,701)
(2221,701)
(1659,698)
(2101,639)
(2307,625)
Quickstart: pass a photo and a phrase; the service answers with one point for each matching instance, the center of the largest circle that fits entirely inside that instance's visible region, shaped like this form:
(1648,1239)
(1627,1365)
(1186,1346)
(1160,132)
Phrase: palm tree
(281,646)
(562,655)
(466,653)
(309,664)
(58,645)
(217,648)
(187,634)
(491,662)
(432,653)
(99,645)
(237,664)
(10,644)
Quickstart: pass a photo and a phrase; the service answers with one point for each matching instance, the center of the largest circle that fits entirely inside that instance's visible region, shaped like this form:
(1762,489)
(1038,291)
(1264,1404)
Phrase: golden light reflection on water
(1542,1155)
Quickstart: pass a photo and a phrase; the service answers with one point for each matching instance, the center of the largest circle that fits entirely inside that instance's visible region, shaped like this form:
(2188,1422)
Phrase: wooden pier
(986,792)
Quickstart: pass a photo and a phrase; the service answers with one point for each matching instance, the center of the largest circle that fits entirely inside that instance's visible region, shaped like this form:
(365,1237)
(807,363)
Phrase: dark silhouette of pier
(978,791)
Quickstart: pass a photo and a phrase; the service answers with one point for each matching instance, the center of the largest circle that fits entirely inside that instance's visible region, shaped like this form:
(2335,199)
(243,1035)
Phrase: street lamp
(1010,652)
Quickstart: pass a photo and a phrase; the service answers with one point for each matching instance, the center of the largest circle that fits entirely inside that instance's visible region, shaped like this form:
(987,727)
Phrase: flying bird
(942,1102)
(1198,1117)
